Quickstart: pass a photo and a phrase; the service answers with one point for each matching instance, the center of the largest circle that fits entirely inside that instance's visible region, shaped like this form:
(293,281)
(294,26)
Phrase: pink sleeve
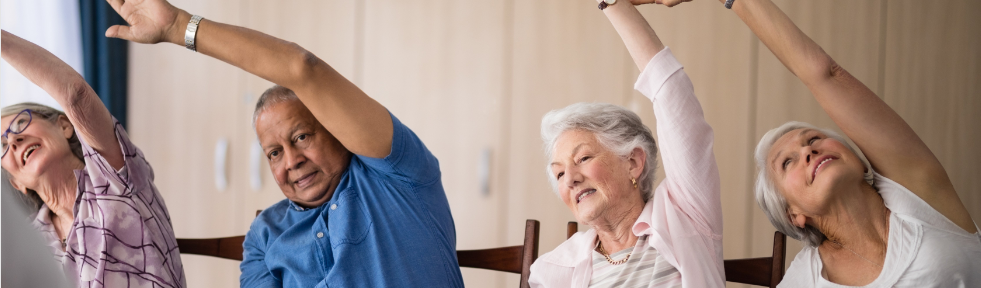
(684,141)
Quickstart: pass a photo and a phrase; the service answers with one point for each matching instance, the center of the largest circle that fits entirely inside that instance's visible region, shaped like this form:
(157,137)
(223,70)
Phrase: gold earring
(633,181)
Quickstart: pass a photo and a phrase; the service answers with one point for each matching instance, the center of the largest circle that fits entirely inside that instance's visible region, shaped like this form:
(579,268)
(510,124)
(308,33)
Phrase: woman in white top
(859,227)
(602,162)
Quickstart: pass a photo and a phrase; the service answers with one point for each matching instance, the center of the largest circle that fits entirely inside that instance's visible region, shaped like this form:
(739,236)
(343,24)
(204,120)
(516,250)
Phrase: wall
(476,76)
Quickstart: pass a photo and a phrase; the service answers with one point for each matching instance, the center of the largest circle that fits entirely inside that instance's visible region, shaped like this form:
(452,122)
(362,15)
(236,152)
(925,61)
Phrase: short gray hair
(274,95)
(616,128)
(50,114)
(774,205)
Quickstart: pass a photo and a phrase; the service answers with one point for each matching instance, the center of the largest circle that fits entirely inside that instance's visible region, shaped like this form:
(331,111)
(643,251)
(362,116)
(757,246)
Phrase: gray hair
(774,205)
(274,95)
(51,115)
(616,128)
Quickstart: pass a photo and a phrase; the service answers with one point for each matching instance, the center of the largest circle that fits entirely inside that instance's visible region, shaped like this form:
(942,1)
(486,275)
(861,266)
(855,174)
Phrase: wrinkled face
(808,168)
(593,181)
(41,147)
(306,160)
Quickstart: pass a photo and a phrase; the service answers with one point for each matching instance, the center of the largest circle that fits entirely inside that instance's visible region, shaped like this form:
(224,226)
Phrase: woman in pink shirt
(602,164)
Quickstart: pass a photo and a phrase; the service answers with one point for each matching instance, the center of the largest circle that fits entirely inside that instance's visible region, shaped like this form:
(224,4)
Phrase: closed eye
(811,142)
(785,163)
(584,158)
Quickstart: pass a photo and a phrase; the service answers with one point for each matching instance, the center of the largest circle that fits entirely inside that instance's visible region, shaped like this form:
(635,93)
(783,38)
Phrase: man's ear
(636,162)
(67,129)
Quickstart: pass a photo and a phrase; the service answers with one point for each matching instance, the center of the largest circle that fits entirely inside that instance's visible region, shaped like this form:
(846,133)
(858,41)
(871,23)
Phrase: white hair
(616,128)
(774,205)
(274,95)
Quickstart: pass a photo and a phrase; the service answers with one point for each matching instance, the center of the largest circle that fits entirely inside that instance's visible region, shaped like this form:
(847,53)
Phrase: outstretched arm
(359,122)
(84,108)
(684,137)
(887,141)
(641,41)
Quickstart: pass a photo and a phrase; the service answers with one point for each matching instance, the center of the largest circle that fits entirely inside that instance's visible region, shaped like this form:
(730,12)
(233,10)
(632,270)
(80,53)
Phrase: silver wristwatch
(192,32)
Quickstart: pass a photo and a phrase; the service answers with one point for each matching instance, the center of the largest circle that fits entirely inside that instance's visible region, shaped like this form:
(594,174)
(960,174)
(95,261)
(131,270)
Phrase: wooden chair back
(514,259)
(763,271)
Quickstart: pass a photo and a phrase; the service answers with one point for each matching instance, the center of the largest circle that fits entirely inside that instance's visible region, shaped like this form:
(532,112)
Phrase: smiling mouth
(583,194)
(28,152)
(305,180)
(826,160)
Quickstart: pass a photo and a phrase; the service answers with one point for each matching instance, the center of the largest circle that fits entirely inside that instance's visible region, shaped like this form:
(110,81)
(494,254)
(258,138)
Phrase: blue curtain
(105,58)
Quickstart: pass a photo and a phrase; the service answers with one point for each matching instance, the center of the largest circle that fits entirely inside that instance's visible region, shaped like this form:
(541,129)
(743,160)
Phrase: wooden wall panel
(439,67)
(848,31)
(932,73)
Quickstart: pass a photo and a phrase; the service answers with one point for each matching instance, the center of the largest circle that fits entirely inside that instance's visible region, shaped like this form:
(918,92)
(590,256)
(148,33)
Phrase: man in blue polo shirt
(365,204)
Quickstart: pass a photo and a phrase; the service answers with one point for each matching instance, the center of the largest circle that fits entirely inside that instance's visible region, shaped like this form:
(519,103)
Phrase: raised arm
(359,122)
(641,41)
(892,147)
(84,108)
(684,137)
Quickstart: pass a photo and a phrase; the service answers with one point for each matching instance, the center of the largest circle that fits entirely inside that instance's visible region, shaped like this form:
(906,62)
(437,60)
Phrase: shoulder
(272,213)
(804,270)
(571,252)
(907,205)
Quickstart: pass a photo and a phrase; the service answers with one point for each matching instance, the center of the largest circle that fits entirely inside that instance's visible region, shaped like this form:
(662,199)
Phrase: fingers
(642,2)
(119,31)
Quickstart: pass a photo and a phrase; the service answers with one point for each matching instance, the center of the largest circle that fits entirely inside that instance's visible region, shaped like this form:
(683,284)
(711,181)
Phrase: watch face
(610,2)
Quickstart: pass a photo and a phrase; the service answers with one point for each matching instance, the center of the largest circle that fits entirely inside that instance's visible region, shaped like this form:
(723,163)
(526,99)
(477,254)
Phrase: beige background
(475,76)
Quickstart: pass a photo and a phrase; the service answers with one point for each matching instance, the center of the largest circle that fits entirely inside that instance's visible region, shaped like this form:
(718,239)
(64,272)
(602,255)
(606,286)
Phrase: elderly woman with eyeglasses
(602,163)
(97,206)
(893,220)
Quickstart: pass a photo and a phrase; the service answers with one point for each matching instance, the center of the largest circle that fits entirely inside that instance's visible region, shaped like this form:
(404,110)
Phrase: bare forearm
(84,108)
(641,41)
(279,61)
(796,51)
(42,68)
(359,122)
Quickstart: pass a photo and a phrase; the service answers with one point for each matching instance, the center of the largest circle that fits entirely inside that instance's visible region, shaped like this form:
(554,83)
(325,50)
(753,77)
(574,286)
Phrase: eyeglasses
(18,125)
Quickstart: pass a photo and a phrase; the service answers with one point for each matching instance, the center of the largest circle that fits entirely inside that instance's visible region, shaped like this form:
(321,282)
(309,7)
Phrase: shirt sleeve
(136,175)
(409,159)
(254,271)
(685,141)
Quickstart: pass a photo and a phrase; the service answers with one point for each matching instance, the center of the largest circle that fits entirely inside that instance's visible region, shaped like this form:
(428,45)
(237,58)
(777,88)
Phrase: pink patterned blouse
(121,235)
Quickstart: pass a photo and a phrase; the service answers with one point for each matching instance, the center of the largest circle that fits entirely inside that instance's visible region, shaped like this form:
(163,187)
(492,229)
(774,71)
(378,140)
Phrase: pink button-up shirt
(684,218)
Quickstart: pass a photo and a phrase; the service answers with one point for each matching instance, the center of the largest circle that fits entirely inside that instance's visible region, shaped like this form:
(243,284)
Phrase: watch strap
(191,33)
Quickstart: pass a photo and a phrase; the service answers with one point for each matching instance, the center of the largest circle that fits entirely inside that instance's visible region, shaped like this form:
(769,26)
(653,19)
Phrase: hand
(150,21)
(669,3)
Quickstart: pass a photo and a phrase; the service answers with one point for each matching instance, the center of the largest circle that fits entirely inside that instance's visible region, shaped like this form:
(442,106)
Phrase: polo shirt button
(333,206)
(320,234)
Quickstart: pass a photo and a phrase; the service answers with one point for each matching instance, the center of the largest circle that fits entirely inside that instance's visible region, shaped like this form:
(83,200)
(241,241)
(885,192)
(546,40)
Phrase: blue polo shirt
(388,224)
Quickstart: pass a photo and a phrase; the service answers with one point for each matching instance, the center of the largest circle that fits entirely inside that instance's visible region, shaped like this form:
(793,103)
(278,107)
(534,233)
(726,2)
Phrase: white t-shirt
(925,249)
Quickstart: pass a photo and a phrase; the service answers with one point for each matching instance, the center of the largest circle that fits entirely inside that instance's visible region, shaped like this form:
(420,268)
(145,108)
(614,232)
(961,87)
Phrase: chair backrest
(764,271)
(514,259)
